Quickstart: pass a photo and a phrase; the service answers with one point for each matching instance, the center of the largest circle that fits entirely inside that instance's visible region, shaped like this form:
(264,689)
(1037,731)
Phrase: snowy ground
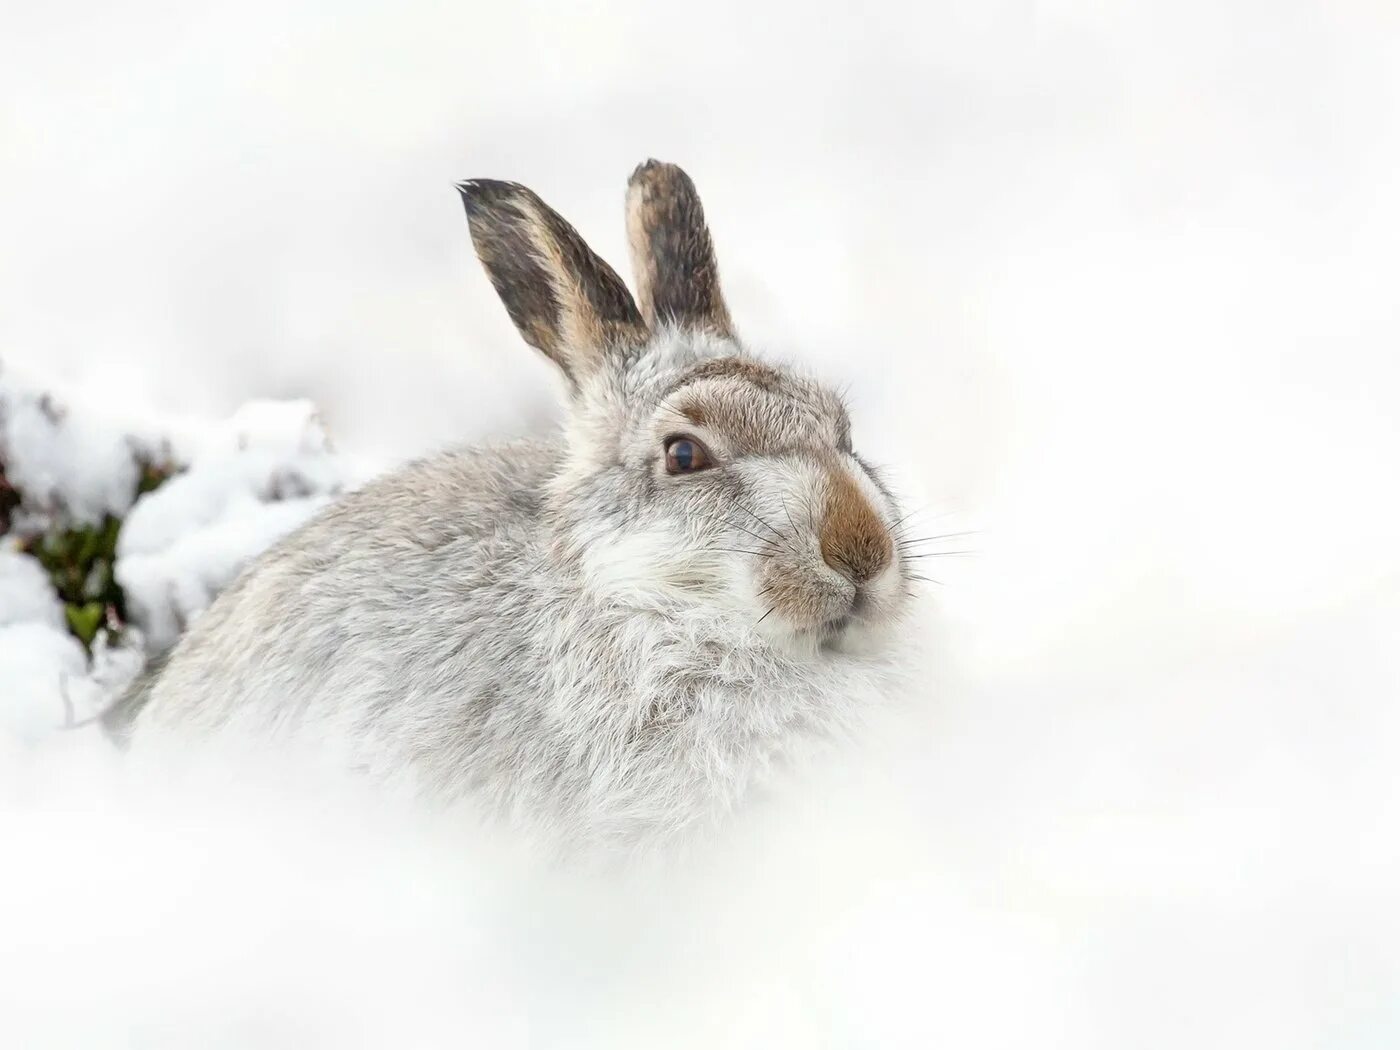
(1113,284)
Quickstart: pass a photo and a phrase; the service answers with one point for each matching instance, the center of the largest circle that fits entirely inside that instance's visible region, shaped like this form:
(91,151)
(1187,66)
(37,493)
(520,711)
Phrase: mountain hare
(609,635)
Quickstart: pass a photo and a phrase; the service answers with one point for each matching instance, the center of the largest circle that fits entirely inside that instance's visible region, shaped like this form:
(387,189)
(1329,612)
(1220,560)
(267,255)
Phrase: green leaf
(84,620)
(51,549)
(88,542)
(111,528)
(81,560)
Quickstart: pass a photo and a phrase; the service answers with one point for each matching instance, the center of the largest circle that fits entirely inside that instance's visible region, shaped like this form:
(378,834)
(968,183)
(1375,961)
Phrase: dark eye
(685,456)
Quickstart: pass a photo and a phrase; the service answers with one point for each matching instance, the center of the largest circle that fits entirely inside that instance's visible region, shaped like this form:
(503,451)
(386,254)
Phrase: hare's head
(693,474)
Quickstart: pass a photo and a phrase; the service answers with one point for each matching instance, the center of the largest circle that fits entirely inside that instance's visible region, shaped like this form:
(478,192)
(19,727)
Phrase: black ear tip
(479,194)
(659,173)
(648,167)
(470,189)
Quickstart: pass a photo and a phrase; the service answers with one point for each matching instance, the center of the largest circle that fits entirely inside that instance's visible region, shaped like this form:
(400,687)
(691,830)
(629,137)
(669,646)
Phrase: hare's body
(608,636)
(433,647)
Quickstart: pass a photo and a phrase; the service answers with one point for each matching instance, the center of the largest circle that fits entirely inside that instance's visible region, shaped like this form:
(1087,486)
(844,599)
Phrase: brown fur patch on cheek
(791,594)
(854,541)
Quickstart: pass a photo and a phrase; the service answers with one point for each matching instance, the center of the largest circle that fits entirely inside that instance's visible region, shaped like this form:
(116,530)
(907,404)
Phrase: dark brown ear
(564,300)
(673,259)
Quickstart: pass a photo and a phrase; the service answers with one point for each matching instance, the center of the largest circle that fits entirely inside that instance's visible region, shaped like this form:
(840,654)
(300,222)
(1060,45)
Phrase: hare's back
(384,580)
(463,494)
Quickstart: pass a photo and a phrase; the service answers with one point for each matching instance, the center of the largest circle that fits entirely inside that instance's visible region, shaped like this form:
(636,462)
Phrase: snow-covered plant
(115,532)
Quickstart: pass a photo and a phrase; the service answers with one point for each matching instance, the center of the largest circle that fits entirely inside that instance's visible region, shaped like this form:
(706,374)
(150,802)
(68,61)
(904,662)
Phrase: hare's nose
(854,541)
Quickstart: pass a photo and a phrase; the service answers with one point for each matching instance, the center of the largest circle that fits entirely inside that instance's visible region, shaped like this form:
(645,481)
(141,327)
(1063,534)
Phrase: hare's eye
(685,456)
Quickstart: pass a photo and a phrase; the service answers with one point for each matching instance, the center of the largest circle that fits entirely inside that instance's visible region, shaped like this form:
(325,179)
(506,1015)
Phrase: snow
(1112,284)
(26,595)
(243,483)
(71,467)
(38,662)
(251,481)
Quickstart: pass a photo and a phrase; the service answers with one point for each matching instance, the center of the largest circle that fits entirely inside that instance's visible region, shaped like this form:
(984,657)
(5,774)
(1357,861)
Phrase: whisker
(941,536)
(789,517)
(936,554)
(734,524)
(761,539)
(909,514)
(759,518)
(893,526)
(766,615)
(906,518)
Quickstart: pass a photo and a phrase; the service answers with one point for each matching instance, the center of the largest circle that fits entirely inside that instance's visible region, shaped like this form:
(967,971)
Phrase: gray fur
(560,630)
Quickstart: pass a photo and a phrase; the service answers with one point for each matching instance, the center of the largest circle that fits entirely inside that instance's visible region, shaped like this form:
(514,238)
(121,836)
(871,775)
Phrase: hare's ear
(673,260)
(564,300)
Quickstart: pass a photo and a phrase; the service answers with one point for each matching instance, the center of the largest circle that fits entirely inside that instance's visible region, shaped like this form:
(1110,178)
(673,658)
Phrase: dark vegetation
(80,560)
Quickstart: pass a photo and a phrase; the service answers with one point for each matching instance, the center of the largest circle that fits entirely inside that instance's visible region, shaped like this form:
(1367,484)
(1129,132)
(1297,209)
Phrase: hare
(611,635)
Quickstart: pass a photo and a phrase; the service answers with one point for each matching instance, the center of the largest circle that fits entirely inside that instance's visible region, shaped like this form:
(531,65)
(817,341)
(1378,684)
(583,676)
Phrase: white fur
(560,631)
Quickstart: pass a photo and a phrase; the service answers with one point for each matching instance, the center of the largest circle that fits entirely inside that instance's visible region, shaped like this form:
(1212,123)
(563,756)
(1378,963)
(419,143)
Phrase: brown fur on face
(760,375)
(804,602)
(673,258)
(758,409)
(565,300)
(854,541)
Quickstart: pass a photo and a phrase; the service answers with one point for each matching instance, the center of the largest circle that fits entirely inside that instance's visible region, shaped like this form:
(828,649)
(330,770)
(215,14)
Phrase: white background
(1114,284)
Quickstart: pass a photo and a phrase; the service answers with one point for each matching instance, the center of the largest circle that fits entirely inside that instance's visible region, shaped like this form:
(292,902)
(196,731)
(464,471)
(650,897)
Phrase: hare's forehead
(753,406)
